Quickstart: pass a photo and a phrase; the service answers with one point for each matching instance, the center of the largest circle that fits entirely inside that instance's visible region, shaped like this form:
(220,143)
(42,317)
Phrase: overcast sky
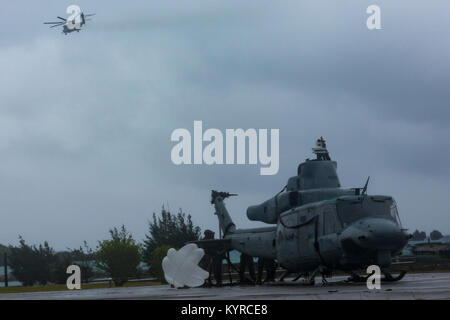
(86,118)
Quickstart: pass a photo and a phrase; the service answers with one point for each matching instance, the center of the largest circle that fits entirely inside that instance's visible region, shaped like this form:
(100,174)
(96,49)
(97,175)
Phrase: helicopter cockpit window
(383,207)
(394,213)
(350,211)
(377,207)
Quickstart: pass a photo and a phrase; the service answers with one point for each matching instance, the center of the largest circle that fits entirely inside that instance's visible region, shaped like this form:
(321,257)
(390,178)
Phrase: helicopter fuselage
(344,233)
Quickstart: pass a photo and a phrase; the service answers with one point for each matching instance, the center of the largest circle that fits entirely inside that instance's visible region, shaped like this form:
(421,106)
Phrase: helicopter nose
(374,234)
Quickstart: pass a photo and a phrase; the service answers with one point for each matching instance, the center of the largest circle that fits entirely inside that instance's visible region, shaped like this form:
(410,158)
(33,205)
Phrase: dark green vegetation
(167,231)
(3,249)
(170,229)
(155,261)
(40,264)
(421,235)
(435,235)
(117,257)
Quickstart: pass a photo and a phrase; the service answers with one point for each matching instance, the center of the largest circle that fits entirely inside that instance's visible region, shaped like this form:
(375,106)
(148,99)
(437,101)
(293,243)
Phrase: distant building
(432,248)
(439,247)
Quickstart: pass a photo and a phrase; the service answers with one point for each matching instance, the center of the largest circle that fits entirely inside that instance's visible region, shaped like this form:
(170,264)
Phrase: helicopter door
(287,244)
(328,242)
(306,239)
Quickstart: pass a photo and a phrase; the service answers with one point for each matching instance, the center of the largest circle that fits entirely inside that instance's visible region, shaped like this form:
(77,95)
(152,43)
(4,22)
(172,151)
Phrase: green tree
(435,235)
(83,257)
(155,262)
(3,250)
(419,235)
(119,256)
(62,261)
(47,259)
(31,264)
(169,230)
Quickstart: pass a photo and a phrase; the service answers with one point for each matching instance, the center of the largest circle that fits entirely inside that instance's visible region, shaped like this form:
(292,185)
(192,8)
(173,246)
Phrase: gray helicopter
(318,226)
(71,26)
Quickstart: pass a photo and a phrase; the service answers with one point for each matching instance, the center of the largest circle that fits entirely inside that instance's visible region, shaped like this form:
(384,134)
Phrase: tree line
(421,235)
(117,257)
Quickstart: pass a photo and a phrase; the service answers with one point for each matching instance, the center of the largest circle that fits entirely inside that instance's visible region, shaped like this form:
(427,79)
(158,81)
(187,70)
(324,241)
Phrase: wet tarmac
(412,286)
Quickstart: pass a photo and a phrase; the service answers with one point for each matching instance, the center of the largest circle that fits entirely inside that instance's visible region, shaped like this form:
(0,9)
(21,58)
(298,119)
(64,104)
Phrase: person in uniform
(270,266)
(212,261)
(246,263)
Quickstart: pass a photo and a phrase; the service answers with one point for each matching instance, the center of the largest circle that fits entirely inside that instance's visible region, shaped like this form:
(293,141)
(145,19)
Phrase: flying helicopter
(74,22)
(318,227)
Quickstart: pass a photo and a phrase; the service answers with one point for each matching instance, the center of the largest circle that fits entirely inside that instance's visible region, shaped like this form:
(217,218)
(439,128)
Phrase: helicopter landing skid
(356,278)
(322,270)
(390,278)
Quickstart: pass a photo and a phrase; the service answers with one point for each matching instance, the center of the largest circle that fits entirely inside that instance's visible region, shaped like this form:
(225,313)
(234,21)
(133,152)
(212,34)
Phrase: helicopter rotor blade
(57,22)
(65,20)
(89,14)
(57,25)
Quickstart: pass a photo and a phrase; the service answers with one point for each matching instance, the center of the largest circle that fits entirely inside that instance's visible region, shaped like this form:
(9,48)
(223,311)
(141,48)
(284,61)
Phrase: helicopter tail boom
(226,225)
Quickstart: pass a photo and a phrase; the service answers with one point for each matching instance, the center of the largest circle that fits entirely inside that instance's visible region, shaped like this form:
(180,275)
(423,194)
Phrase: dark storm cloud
(86,119)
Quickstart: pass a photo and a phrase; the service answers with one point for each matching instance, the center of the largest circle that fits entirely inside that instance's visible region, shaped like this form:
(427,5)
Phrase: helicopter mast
(320,150)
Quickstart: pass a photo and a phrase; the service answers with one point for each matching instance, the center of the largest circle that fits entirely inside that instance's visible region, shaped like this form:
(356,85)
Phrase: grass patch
(63,287)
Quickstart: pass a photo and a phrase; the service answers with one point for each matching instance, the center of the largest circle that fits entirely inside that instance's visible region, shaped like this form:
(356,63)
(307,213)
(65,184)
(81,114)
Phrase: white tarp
(181,267)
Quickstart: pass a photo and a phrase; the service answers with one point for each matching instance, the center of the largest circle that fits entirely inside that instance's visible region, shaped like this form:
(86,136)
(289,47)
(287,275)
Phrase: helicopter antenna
(364,190)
